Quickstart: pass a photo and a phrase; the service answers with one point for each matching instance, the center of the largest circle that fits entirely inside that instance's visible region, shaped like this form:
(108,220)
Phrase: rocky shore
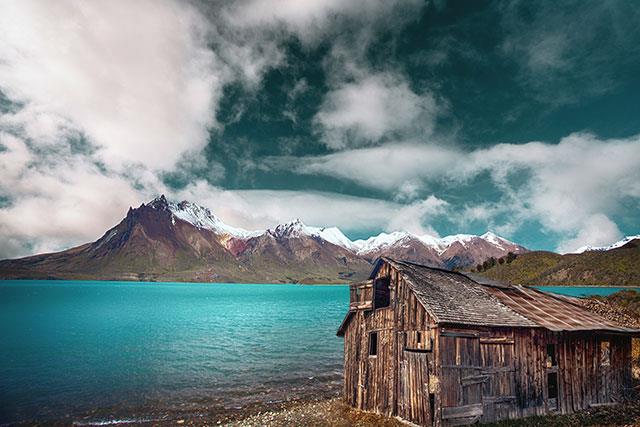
(331,412)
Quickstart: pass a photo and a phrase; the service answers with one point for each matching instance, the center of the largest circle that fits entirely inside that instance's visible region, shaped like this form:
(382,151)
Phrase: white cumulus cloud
(136,78)
(374,108)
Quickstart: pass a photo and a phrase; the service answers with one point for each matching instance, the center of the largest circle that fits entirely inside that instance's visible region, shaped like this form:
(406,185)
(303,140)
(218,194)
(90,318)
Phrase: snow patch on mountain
(615,245)
(297,228)
(378,242)
(203,218)
(438,244)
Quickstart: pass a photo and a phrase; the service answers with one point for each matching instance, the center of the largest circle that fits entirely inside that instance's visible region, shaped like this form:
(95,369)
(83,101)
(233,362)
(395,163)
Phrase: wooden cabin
(438,348)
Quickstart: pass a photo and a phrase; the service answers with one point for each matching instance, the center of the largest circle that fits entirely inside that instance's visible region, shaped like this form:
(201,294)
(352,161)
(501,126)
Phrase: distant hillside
(615,267)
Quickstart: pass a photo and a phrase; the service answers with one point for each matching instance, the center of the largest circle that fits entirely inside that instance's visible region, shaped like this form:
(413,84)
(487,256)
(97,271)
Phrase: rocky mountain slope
(619,266)
(165,240)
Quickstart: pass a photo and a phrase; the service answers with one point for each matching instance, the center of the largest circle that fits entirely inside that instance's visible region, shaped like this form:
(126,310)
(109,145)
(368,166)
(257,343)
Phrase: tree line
(493,261)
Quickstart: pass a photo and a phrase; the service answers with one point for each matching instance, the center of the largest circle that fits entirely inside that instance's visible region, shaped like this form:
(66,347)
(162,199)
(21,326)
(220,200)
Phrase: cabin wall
(585,378)
(490,374)
(399,379)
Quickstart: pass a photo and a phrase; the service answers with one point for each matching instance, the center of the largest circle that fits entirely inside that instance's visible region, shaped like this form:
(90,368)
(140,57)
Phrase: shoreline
(587,286)
(103,281)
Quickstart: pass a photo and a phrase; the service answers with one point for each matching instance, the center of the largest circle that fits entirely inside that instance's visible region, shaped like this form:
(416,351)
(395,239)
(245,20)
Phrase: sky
(439,117)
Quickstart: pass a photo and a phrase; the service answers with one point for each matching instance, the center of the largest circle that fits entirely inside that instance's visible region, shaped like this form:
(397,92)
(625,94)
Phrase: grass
(624,414)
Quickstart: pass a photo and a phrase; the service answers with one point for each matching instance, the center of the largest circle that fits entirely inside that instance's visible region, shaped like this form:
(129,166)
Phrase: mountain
(165,240)
(460,250)
(618,244)
(618,266)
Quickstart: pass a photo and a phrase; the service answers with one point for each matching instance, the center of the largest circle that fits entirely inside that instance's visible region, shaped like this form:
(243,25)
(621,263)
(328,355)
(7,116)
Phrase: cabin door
(498,389)
(461,377)
(414,401)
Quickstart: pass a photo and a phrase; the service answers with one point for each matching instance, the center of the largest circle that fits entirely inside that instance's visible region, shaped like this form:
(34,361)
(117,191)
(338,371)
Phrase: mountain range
(170,241)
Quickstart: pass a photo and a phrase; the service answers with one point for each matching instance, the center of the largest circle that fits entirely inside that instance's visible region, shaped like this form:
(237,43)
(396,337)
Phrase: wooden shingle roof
(452,297)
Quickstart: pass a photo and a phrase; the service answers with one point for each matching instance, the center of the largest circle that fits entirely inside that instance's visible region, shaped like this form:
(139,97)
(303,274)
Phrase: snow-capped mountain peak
(380,241)
(202,217)
(439,244)
(615,245)
(294,228)
(297,228)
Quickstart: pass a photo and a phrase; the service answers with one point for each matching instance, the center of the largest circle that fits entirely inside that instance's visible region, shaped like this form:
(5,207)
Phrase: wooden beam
(463,411)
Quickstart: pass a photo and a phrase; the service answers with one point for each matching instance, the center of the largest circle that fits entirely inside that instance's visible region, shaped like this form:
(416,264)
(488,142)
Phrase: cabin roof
(452,297)
(554,312)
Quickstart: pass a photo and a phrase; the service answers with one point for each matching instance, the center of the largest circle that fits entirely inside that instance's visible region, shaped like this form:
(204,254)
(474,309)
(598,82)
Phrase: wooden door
(461,377)
(498,367)
(414,403)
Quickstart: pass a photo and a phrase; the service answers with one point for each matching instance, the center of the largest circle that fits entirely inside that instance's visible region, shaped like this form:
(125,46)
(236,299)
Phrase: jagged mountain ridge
(165,240)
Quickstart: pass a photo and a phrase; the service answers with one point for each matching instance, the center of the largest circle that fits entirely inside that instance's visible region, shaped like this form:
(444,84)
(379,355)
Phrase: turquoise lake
(98,352)
(145,350)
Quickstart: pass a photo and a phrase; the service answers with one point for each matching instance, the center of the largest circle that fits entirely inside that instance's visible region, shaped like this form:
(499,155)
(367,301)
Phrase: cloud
(377,107)
(136,78)
(576,185)
(59,203)
(108,98)
(597,230)
(564,50)
(385,167)
(416,217)
(363,106)
(313,20)
(259,209)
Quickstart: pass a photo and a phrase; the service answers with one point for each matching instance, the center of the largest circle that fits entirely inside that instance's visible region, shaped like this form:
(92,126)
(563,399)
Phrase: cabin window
(373,344)
(418,337)
(382,292)
(552,361)
(605,353)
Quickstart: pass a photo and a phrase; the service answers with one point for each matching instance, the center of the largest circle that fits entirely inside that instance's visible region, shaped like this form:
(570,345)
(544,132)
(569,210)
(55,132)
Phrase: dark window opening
(373,343)
(418,337)
(432,406)
(382,292)
(551,356)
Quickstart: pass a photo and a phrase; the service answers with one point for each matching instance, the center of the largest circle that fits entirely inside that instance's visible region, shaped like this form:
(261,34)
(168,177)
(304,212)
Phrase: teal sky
(435,117)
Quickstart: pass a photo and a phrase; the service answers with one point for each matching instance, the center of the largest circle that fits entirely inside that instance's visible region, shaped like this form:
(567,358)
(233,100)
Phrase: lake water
(581,291)
(89,352)
(98,352)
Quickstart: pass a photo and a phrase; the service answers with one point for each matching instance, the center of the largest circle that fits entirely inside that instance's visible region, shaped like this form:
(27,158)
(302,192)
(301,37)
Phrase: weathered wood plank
(463,411)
